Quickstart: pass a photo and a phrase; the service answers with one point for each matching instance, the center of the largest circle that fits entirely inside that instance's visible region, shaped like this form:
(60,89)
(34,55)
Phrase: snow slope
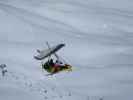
(99,44)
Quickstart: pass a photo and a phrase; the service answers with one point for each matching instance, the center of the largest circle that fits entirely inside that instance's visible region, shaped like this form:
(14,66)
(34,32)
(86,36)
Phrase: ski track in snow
(36,20)
(40,87)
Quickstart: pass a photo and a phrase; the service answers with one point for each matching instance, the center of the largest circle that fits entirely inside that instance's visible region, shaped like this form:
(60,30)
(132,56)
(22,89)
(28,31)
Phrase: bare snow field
(99,45)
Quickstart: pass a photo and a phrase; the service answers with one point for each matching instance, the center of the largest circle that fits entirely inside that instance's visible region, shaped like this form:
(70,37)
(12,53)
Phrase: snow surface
(99,44)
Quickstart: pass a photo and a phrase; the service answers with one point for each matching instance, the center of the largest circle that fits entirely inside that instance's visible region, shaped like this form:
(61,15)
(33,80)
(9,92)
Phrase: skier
(3,69)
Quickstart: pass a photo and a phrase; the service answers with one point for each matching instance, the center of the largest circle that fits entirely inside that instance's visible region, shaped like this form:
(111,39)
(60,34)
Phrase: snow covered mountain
(99,42)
